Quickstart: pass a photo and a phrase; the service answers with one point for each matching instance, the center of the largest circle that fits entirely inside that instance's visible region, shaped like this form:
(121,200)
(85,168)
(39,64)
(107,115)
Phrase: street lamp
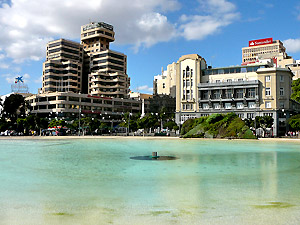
(79,121)
(129,123)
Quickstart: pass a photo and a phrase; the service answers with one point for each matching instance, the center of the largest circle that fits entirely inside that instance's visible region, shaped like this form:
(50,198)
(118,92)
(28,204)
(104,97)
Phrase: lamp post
(79,121)
(129,124)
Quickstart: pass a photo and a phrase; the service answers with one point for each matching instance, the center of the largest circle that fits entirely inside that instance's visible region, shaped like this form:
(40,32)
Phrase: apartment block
(62,70)
(85,77)
(106,69)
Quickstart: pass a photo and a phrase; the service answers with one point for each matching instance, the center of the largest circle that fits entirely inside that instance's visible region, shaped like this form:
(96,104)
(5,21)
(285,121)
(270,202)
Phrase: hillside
(217,126)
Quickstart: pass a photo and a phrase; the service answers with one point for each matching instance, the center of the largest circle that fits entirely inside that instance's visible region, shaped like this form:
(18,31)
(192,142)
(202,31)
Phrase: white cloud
(144,88)
(292,45)
(4,66)
(26,26)
(217,14)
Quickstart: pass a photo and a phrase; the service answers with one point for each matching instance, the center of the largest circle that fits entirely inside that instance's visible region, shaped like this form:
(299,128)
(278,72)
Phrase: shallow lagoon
(94,181)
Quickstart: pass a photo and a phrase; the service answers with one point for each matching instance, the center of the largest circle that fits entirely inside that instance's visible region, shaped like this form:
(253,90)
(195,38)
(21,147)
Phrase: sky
(152,33)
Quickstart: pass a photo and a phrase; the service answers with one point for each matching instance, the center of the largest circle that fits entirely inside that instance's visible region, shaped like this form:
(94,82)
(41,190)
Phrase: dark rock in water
(158,158)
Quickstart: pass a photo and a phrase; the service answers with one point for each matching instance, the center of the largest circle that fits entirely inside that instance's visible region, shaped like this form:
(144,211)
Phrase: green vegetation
(217,126)
(149,121)
(294,122)
(296,90)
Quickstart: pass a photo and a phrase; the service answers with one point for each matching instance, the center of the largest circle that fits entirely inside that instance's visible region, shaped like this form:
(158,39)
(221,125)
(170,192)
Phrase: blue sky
(152,33)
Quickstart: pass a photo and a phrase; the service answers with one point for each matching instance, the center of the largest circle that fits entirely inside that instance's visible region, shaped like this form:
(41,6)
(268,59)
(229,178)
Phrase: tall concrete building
(62,70)
(262,49)
(85,77)
(266,48)
(90,67)
(249,90)
(106,70)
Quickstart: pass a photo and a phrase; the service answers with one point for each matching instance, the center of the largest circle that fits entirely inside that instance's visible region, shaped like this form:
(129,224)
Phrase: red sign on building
(264,41)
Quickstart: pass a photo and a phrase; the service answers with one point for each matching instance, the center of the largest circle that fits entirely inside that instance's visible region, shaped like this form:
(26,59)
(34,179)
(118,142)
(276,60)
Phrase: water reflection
(90,181)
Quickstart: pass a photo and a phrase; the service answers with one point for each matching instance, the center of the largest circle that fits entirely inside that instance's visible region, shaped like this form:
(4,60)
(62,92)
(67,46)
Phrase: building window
(183,83)
(228,93)
(187,83)
(216,105)
(239,93)
(191,72)
(241,115)
(188,107)
(227,105)
(205,106)
(239,105)
(164,85)
(281,92)
(217,81)
(251,104)
(205,95)
(268,78)
(183,97)
(281,78)
(268,91)
(187,94)
(216,94)
(229,80)
(281,105)
(191,94)
(251,93)
(250,115)
(268,105)
(187,71)
(191,83)
(183,106)
(240,79)
(183,73)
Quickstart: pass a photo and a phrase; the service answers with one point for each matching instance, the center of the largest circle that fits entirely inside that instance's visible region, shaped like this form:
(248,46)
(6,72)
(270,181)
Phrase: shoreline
(136,137)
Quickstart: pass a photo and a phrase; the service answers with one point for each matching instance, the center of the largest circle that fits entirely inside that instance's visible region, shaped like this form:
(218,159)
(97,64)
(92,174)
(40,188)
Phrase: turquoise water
(94,181)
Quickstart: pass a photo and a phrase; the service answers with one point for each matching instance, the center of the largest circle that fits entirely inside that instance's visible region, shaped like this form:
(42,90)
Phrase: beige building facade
(85,77)
(90,67)
(106,69)
(262,49)
(62,70)
(295,68)
(251,90)
(69,105)
(165,83)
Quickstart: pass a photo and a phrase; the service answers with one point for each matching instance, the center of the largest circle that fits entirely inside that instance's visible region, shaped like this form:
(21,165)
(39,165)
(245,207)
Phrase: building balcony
(256,98)
(106,93)
(226,85)
(104,80)
(107,86)
(97,35)
(234,109)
